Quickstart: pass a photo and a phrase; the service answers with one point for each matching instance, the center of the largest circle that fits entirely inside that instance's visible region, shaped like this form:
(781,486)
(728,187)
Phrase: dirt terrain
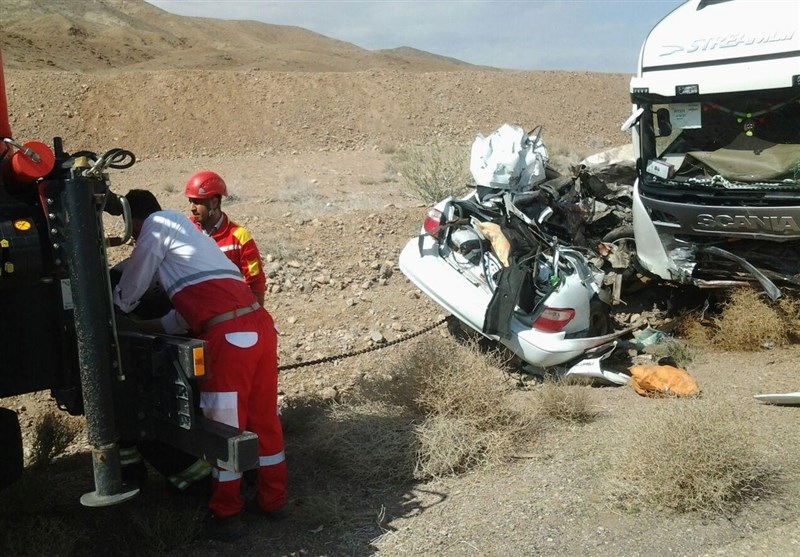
(304,130)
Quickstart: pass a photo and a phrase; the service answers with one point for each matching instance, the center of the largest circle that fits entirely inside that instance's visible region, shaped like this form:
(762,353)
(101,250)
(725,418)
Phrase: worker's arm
(250,264)
(173,323)
(141,267)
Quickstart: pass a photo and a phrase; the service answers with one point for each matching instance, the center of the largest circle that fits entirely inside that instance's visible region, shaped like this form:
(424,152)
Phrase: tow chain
(363,350)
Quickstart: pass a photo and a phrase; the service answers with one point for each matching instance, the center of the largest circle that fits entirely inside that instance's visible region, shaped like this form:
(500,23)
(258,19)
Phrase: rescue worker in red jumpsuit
(212,301)
(205,190)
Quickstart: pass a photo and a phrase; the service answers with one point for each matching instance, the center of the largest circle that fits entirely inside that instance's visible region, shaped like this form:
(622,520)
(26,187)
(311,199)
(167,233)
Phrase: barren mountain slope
(284,89)
(179,113)
(90,35)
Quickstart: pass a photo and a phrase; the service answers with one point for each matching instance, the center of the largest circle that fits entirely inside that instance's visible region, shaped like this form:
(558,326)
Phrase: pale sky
(575,35)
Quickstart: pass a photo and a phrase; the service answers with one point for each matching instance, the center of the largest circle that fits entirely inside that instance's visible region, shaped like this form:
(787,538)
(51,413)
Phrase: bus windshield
(736,138)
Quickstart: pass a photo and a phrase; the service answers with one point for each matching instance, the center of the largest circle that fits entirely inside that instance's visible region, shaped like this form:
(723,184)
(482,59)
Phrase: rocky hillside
(105,74)
(96,35)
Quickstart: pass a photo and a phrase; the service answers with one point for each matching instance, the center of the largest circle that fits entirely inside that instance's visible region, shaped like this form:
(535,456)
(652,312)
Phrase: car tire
(600,322)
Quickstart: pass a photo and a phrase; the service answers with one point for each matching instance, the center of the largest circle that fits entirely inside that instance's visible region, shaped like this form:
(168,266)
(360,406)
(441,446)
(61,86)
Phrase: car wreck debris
(521,258)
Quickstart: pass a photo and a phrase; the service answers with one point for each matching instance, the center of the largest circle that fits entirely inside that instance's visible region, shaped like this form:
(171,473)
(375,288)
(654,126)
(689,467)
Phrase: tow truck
(60,331)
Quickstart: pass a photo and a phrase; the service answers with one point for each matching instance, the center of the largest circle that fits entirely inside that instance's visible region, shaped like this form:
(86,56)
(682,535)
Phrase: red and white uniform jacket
(197,277)
(236,242)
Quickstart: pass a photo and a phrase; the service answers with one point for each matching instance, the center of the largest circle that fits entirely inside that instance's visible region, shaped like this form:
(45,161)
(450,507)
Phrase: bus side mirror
(664,125)
(632,119)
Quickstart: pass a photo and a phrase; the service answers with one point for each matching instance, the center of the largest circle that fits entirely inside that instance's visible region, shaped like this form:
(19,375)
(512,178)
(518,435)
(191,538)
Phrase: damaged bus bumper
(715,246)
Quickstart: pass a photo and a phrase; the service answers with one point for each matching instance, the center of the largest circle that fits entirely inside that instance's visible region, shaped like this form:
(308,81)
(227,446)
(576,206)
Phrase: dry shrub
(457,398)
(433,172)
(748,321)
(691,455)
(565,402)
(371,443)
(457,380)
(52,434)
(789,308)
(439,376)
(692,330)
(451,445)
(303,196)
(463,395)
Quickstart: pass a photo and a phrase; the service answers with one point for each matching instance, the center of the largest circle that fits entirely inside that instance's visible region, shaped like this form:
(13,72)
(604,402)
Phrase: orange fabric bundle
(663,381)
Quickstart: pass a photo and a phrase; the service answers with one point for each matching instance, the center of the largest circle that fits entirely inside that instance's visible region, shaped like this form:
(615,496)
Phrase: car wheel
(600,322)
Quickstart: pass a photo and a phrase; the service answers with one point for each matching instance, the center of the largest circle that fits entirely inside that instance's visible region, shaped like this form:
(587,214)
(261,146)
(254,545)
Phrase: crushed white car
(493,260)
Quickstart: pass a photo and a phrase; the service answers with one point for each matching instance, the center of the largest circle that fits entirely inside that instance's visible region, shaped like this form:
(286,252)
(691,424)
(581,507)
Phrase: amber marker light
(199,361)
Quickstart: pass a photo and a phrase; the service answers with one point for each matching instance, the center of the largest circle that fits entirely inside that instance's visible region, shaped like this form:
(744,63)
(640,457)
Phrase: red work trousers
(242,391)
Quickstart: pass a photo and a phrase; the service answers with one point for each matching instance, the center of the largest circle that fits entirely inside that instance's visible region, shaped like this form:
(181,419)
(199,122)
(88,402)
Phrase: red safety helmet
(205,185)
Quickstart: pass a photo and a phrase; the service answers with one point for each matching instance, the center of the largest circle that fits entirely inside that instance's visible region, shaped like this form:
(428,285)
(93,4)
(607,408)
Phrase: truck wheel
(11,461)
